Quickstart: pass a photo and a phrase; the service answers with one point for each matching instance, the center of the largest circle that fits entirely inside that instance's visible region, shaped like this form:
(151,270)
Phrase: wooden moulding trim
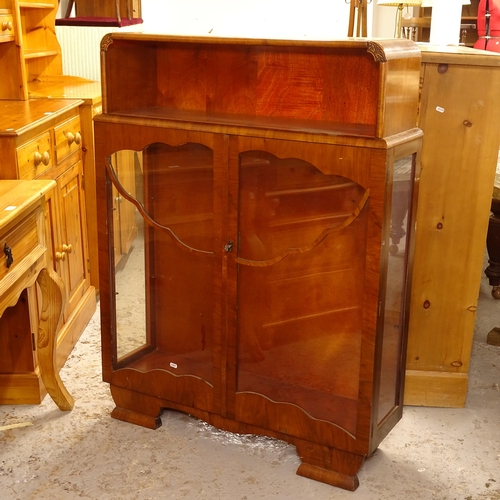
(244,131)
(142,210)
(376,51)
(315,243)
(106,41)
(382,49)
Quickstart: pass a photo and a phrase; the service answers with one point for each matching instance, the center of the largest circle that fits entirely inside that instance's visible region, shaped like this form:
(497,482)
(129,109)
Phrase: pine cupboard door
(70,236)
(166,289)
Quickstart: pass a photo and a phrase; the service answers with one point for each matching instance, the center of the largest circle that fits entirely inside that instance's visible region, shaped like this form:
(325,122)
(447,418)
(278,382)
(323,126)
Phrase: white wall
(320,19)
(248,18)
(288,19)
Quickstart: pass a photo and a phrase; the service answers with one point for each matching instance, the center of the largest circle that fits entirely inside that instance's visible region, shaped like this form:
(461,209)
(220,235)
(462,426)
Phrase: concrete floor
(441,454)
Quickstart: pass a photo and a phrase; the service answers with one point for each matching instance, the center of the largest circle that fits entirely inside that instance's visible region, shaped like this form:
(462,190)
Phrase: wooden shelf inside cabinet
(35,54)
(223,121)
(259,195)
(34,4)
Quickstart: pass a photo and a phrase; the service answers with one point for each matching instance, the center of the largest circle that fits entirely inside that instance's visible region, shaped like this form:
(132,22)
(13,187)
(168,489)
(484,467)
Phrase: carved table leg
(50,319)
(493,247)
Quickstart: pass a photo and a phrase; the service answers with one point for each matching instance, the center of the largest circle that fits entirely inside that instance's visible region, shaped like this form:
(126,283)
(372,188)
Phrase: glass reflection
(163,247)
(395,296)
(128,238)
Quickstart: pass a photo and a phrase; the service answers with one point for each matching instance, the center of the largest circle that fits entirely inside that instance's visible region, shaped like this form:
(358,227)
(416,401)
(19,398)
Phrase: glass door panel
(164,274)
(301,258)
(395,286)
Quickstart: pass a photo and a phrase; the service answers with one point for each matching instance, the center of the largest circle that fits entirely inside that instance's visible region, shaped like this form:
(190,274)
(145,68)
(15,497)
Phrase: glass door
(300,272)
(163,233)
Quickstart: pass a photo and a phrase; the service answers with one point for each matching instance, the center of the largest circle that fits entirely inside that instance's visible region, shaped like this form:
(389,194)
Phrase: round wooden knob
(78,138)
(61,256)
(67,248)
(46,158)
(70,137)
(7,26)
(37,159)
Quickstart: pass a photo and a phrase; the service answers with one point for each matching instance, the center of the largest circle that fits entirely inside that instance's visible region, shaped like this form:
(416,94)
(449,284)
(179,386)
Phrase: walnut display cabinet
(256,204)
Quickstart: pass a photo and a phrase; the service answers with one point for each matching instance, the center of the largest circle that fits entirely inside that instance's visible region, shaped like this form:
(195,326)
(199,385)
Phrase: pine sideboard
(25,261)
(41,139)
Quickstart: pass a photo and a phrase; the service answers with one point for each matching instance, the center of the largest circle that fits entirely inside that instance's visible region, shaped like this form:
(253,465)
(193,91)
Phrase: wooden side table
(25,261)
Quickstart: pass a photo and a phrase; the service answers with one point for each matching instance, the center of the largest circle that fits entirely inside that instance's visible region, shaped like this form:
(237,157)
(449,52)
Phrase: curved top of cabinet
(355,87)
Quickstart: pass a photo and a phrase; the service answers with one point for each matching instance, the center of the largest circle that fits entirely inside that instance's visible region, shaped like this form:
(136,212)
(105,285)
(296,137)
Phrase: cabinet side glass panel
(396,287)
(173,279)
(128,247)
(301,256)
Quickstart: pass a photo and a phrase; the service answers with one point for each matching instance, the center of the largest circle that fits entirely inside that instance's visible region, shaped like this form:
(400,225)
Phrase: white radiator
(81,46)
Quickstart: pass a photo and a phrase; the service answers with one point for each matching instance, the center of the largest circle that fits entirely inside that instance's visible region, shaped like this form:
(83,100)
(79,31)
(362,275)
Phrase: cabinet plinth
(255,243)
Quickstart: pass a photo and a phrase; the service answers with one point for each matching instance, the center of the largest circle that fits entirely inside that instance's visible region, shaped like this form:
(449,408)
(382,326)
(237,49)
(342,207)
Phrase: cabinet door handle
(8,253)
(67,248)
(39,158)
(7,26)
(228,247)
(46,158)
(74,138)
(61,256)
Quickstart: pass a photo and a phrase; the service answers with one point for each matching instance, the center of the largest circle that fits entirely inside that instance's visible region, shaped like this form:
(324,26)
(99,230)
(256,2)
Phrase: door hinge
(34,341)
(88,266)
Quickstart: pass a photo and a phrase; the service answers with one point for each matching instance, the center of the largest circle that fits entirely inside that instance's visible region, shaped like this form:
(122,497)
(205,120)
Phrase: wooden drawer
(68,138)
(6,27)
(22,240)
(34,157)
